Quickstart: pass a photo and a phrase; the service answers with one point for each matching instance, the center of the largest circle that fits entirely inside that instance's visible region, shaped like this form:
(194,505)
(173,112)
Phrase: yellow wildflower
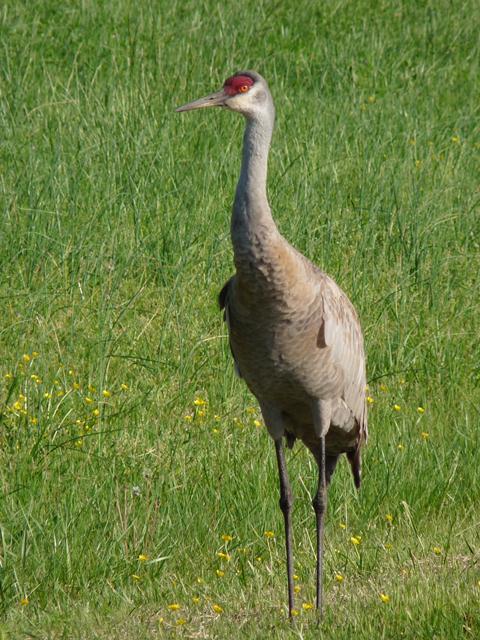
(224,556)
(251,410)
(307,605)
(420,410)
(202,413)
(47,395)
(88,400)
(455,139)
(397,407)
(180,621)
(269,534)
(200,580)
(26,357)
(215,431)
(8,376)
(257,423)
(220,573)
(188,418)
(388,546)
(356,540)
(34,421)
(199,402)
(384,598)
(400,446)
(339,577)
(96,412)
(217,608)
(389,518)
(76,386)
(295,612)
(91,388)
(383,387)
(135,577)
(174,607)
(425,435)
(297,588)
(196,600)
(106,393)
(142,557)
(227,537)
(342,525)
(124,387)
(35,354)
(24,601)
(370,400)
(295,577)
(79,442)
(437,550)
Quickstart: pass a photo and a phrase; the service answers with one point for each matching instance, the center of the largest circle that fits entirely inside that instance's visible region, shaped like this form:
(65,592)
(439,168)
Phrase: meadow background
(138,486)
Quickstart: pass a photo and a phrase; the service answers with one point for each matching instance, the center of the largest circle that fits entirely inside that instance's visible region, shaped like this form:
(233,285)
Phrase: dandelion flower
(24,601)
(370,400)
(306,606)
(217,608)
(297,588)
(76,386)
(8,376)
(88,400)
(196,600)
(295,612)
(35,354)
(188,418)
(425,435)
(397,407)
(339,577)
(257,423)
(227,537)
(437,550)
(106,393)
(200,580)
(180,621)
(135,577)
(142,557)
(389,518)
(199,402)
(420,410)
(388,546)
(356,540)
(400,446)
(384,598)
(295,577)
(224,556)
(383,387)
(96,412)
(455,139)
(220,573)
(26,358)
(202,413)
(47,395)
(269,534)
(342,525)
(174,606)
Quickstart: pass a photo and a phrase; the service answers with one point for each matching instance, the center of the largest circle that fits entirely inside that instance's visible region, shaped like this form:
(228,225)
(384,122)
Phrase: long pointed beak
(216,99)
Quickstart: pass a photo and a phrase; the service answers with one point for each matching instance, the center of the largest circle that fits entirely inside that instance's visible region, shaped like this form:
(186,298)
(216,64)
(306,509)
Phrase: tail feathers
(355,461)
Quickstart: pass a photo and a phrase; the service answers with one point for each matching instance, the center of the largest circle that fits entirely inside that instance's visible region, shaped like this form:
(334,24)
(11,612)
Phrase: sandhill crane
(294,335)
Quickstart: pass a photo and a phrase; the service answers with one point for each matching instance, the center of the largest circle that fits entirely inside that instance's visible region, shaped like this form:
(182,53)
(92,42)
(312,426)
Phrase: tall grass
(128,448)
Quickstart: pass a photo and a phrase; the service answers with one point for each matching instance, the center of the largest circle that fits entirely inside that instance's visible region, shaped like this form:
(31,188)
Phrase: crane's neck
(252,221)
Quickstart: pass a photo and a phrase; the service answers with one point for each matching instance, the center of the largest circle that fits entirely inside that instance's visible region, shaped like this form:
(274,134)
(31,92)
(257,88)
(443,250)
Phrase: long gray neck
(252,220)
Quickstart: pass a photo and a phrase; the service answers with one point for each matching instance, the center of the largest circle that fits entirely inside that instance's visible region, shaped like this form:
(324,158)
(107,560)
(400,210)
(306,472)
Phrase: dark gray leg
(286,507)
(319,503)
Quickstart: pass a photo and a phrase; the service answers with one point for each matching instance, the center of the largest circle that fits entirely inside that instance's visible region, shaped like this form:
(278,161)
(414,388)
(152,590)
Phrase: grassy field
(138,486)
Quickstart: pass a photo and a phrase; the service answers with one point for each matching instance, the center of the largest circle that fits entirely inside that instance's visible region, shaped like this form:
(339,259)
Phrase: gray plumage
(294,334)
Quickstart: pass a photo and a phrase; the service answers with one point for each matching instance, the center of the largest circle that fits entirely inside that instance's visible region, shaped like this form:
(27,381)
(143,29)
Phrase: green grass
(113,245)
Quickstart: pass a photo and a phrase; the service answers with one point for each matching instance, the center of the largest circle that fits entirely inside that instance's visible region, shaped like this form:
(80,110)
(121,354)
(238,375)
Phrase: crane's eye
(244,88)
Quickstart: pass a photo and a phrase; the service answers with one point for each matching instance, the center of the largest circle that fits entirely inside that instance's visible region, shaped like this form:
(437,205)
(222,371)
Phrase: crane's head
(245,92)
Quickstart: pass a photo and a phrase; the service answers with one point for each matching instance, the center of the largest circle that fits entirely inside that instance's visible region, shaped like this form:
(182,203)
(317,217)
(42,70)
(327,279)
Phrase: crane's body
(295,336)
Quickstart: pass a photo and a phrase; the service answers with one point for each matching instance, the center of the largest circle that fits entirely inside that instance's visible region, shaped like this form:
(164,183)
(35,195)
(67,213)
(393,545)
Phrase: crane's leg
(319,503)
(286,507)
